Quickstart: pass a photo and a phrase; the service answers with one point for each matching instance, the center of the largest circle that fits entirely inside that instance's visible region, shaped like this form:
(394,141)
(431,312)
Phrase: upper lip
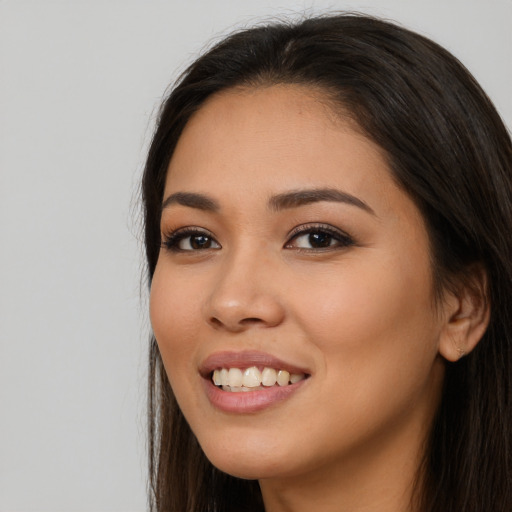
(245,359)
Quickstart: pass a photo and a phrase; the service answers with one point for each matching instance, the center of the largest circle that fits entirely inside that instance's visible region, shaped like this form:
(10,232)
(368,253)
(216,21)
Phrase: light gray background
(79,85)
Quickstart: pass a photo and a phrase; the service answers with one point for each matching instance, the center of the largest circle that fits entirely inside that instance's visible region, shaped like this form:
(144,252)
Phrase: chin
(246,461)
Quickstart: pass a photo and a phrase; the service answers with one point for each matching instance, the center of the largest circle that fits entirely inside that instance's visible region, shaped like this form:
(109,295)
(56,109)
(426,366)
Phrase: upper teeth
(252,377)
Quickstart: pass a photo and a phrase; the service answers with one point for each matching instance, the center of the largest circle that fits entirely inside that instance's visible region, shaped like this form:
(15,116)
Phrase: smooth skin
(342,288)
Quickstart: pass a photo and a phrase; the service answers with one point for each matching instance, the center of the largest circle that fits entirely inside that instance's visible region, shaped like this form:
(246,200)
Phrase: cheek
(376,337)
(372,320)
(174,318)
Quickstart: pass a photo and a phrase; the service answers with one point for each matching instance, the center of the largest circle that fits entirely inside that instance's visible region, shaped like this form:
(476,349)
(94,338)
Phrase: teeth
(235,378)
(239,389)
(283,377)
(252,379)
(296,377)
(268,376)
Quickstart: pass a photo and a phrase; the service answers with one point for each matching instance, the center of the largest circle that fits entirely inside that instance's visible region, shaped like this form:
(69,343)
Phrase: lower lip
(246,402)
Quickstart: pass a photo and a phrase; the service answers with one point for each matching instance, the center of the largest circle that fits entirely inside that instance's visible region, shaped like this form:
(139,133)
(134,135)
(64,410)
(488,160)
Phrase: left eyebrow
(297,198)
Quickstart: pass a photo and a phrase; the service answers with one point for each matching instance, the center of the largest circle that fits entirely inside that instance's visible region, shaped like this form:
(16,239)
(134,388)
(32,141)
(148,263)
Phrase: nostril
(215,321)
(251,321)
(243,322)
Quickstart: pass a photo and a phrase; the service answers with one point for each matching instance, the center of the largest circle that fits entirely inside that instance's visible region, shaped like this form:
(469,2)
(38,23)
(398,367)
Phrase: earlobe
(467,317)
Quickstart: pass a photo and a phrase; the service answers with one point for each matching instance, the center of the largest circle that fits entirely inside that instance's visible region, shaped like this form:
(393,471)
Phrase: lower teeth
(241,388)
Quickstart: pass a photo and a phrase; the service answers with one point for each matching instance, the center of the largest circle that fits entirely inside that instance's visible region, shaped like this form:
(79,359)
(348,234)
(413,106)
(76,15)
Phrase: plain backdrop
(80,82)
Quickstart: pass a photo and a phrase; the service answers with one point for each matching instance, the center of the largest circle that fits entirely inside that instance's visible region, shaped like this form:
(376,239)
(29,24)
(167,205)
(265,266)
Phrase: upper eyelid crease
(315,226)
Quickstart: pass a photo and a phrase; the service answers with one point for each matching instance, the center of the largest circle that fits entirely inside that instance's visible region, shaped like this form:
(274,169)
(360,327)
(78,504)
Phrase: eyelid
(343,237)
(171,238)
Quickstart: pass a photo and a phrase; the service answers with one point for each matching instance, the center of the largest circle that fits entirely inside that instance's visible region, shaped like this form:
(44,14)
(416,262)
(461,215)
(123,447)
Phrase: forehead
(256,142)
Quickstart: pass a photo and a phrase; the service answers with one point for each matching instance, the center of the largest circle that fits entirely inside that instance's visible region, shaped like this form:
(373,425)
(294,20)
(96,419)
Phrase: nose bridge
(245,291)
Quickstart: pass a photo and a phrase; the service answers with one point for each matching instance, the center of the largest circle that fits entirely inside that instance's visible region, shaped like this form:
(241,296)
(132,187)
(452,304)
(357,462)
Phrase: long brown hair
(448,148)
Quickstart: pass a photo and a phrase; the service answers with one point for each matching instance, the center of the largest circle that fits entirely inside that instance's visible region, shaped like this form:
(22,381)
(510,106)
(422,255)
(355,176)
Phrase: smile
(249,381)
(253,379)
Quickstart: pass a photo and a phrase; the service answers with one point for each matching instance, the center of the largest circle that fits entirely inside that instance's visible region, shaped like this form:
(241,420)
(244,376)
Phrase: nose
(245,294)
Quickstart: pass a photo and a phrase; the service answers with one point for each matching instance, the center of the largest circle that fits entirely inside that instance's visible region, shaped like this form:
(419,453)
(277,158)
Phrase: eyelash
(172,240)
(341,238)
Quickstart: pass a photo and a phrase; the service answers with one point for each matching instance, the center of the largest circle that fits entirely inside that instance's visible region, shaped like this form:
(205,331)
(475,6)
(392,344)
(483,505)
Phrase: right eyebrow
(192,200)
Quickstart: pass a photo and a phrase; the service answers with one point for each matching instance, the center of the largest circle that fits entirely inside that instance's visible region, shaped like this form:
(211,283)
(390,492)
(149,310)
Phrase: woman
(327,215)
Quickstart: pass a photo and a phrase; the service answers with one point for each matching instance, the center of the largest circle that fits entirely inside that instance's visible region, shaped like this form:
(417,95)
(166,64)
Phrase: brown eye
(319,238)
(315,240)
(190,239)
(195,242)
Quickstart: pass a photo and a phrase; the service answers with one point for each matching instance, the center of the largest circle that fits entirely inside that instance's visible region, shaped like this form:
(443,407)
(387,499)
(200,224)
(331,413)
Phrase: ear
(467,314)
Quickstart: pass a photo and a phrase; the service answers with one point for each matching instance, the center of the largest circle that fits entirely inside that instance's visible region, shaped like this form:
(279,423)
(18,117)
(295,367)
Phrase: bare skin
(338,285)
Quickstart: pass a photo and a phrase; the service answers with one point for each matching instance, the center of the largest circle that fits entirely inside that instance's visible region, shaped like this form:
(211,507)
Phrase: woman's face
(288,247)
